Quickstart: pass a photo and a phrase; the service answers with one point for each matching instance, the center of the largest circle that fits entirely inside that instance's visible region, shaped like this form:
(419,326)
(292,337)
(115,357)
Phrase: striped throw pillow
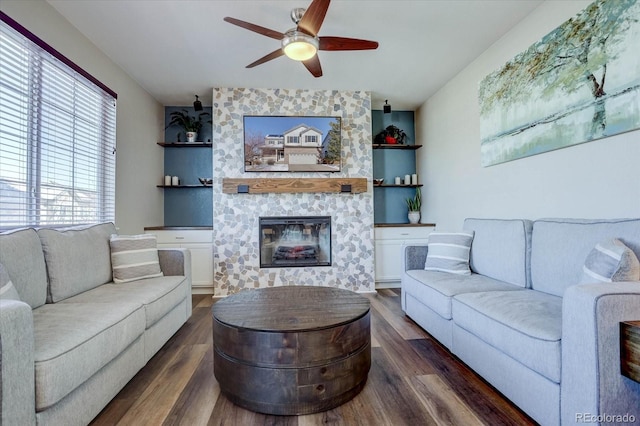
(610,261)
(134,257)
(449,252)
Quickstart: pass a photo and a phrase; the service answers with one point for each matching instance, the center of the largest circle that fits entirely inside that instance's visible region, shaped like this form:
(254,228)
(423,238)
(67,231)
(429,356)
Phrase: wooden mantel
(293,185)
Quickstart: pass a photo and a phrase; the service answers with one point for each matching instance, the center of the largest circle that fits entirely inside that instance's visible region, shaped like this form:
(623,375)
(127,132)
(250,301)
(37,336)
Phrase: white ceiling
(177,48)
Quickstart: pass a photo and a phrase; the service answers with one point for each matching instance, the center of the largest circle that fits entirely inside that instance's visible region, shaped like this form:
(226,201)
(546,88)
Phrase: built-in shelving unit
(391,161)
(184,186)
(397,186)
(391,228)
(185,144)
(189,204)
(394,146)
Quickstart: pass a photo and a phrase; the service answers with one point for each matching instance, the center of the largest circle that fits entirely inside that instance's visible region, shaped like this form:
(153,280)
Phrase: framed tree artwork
(579,83)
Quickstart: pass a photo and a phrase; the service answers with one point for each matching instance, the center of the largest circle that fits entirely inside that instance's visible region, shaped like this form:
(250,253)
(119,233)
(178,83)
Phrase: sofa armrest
(175,261)
(17,378)
(414,257)
(591,383)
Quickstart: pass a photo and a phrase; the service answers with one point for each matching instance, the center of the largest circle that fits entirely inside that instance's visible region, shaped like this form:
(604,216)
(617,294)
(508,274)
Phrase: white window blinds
(57,137)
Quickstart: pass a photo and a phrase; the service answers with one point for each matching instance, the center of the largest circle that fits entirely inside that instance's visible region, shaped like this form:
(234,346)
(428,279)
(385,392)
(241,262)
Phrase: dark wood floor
(413,381)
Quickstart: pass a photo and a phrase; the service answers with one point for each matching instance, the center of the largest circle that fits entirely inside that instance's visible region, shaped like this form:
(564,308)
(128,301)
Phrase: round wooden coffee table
(291,350)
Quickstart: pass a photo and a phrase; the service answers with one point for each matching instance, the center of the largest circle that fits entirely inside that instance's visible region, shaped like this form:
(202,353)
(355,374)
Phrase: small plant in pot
(391,135)
(414,203)
(191,125)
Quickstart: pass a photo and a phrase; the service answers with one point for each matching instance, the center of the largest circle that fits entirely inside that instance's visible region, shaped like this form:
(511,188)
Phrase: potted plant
(391,135)
(191,125)
(414,203)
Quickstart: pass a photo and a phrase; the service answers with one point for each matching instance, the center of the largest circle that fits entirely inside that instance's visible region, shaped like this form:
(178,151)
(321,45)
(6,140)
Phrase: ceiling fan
(302,42)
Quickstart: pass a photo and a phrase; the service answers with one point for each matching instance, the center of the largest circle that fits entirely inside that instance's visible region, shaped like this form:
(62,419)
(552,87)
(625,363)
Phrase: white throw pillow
(449,252)
(610,261)
(134,257)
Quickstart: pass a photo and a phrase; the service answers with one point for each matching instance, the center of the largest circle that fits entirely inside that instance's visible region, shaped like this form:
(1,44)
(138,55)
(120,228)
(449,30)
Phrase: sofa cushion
(134,257)
(526,325)
(610,261)
(158,295)
(449,252)
(71,253)
(501,249)
(21,254)
(75,340)
(7,290)
(559,248)
(435,289)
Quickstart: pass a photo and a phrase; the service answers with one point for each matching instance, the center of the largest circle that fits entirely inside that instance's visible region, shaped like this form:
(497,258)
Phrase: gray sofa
(74,339)
(522,321)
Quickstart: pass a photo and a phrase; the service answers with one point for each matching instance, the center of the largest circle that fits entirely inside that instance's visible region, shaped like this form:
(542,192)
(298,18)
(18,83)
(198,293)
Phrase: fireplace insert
(295,241)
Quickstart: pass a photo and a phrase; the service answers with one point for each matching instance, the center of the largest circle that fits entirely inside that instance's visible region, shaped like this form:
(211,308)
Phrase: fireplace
(295,241)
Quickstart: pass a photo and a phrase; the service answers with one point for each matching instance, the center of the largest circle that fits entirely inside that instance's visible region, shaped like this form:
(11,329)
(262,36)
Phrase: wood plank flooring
(413,381)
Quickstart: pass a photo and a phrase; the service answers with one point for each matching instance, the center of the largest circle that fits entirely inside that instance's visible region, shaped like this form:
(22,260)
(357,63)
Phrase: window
(292,139)
(311,139)
(57,137)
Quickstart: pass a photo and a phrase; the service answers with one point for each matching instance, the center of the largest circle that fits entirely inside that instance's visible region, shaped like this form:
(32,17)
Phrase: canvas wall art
(579,83)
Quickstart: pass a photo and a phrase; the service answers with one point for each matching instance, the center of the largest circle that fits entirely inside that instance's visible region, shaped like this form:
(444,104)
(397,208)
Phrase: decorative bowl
(378,181)
(205,181)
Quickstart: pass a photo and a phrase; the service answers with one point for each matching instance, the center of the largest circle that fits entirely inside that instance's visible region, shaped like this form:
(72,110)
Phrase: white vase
(191,136)
(414,217)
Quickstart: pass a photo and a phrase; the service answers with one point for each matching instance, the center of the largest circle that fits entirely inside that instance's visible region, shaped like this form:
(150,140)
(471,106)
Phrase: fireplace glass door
(295,241)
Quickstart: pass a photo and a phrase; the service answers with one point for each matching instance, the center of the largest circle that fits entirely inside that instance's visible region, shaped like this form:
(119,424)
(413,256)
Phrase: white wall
(140,118)
(598,179)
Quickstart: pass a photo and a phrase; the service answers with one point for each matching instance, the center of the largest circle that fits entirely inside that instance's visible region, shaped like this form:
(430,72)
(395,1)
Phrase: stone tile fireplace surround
(236,216)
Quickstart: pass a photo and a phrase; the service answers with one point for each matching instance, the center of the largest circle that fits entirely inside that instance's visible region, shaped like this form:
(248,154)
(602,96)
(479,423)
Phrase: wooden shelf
(178,228)
(184,186)
(185,144)
(292,185)
(404,225)
(394,146)
(397,186)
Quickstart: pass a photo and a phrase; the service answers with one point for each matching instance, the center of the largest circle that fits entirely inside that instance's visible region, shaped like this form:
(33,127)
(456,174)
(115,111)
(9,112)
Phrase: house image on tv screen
(292,144)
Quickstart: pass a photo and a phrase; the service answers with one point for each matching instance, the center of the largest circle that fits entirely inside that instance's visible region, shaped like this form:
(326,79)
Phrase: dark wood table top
(630,349)
(290,308)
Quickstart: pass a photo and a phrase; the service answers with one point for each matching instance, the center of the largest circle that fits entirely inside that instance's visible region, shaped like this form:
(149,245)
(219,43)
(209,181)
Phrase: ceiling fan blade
(313,65)
(343,43)
(313,17)
(266,58)
(255,28)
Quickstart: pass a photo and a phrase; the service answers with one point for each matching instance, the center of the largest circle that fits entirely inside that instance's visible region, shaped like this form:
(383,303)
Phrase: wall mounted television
(292,143)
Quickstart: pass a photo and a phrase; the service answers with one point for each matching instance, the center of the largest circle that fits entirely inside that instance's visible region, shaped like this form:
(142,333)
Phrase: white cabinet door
(201,264)
(200,243)
(389,244)
(388,260)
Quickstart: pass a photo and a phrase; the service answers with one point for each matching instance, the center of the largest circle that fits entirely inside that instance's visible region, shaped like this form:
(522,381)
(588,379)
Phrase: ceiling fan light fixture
(299,46)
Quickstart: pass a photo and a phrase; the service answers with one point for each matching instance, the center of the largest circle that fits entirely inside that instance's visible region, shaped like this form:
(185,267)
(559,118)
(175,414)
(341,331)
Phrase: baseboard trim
(388,284)
(202,290)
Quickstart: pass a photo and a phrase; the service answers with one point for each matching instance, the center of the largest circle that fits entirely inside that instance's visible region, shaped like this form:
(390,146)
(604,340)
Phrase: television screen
(292,143)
